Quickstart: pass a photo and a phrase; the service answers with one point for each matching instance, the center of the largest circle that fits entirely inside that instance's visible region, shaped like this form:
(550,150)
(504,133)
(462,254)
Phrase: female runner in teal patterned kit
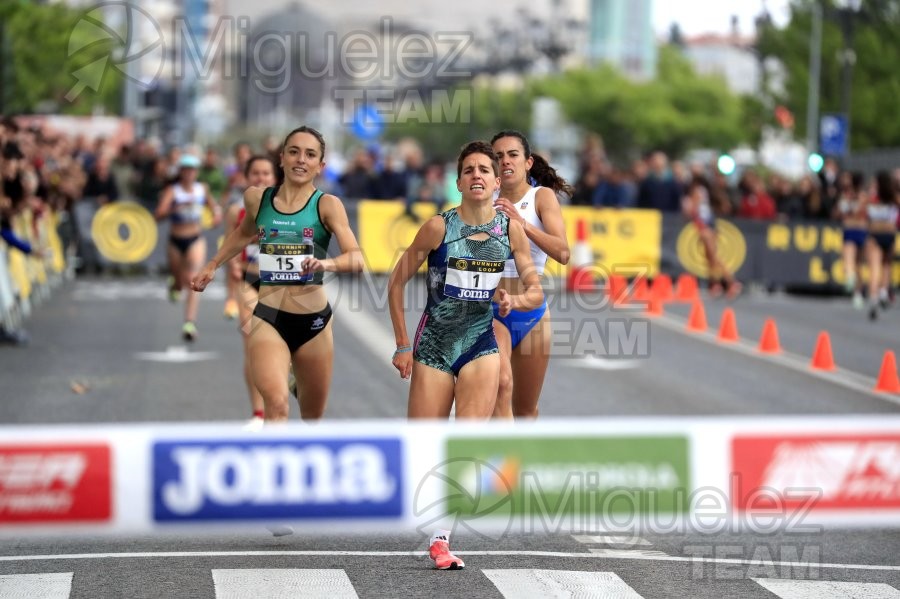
(455,353)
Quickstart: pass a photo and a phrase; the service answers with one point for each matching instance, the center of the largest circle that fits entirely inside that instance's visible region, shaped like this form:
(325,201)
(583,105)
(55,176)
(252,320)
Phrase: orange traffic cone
(662,286)
(768,341)
(697,319)
(822,358)
(640,289)
(728,331)
(654,305)
(686,289)
(887,378)
(581,275)
(618,289)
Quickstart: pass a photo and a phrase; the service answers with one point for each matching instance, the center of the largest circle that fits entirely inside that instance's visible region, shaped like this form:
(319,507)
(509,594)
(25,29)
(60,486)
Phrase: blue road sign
(833,135)
(368,123)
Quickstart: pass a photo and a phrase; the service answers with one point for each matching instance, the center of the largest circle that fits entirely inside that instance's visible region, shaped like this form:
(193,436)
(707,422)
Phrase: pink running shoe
(439,551)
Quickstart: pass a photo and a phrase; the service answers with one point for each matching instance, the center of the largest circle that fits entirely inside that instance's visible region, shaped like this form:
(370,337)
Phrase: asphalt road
(109,351)
(121,340)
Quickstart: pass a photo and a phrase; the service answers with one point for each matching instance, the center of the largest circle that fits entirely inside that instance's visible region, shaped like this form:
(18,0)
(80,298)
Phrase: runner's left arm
(533,295)
(552,240)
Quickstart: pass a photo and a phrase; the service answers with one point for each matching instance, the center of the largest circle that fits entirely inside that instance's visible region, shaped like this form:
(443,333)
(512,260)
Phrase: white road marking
(111,291)
(564,554)
(846,378)
(377,337)
(286,583)
(176,354)
(46,586)
(525,584)
(370,332)
(627,553)
(813,589)
(611,539)
(600,363)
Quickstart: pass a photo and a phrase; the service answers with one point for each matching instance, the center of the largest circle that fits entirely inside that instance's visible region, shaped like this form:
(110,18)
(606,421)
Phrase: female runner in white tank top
(524,337)
(182,203)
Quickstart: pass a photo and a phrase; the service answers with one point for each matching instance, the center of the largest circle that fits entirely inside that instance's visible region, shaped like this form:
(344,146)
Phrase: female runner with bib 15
(455,353)
(293,224)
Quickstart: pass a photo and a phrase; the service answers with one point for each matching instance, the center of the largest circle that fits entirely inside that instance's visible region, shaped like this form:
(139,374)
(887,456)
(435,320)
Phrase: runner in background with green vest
(293,224)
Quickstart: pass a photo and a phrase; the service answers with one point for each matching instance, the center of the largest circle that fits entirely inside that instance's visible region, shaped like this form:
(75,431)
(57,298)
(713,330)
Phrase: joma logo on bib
(474,294)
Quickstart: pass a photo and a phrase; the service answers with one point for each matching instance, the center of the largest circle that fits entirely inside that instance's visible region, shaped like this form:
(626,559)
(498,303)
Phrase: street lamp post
(847,11)
(815,69)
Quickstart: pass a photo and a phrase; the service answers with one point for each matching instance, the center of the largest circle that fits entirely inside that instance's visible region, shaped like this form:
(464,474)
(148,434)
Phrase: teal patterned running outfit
(463,274)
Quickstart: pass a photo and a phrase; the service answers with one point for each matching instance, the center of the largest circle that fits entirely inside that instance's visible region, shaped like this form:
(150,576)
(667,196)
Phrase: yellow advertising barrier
(58,258)
(620,239)
(124,232)
(18,262)
(18,273)
(730,243)
(28,271)
(385,231)
(625,242)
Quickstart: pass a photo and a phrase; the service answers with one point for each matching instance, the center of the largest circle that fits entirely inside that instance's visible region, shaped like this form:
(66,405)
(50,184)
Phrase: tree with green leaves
(677,111)
(37,70)
(875,79)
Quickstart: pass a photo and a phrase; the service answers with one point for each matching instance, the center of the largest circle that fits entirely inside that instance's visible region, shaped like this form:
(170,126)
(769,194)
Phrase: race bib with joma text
(282,262)
(472,280)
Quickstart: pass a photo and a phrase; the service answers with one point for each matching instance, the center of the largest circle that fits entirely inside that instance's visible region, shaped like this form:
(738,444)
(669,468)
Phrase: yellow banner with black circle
(621,240)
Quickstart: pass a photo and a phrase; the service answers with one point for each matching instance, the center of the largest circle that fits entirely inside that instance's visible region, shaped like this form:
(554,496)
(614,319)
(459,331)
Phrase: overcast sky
(705,16)
(694,16)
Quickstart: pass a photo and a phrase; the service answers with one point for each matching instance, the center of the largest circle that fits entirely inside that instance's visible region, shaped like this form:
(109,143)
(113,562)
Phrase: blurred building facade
(731,56)
(621,34)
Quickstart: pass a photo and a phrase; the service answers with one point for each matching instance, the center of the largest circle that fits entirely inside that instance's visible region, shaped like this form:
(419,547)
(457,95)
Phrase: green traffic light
(816,162)
(726,164)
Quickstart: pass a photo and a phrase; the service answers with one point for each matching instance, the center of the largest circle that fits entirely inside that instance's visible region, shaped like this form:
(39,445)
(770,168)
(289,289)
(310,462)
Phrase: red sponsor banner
(55,483)
(816,472)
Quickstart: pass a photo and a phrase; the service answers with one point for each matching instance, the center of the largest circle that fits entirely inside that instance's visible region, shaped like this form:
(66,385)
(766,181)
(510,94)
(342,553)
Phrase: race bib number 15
(472,280)
(282,263)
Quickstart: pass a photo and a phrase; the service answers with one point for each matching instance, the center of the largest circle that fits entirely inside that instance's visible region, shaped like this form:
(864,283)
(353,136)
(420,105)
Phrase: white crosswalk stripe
(627,553)
(525,584)
(611,539)
(518,583)
(285,583)
(814,589)
(56,585)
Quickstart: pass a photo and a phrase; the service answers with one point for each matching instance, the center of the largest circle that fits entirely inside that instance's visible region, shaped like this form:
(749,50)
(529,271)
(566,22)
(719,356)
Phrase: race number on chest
(282,263)
(472,280)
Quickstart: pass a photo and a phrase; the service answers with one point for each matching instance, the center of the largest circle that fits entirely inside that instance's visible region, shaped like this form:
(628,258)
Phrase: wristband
(402,350)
